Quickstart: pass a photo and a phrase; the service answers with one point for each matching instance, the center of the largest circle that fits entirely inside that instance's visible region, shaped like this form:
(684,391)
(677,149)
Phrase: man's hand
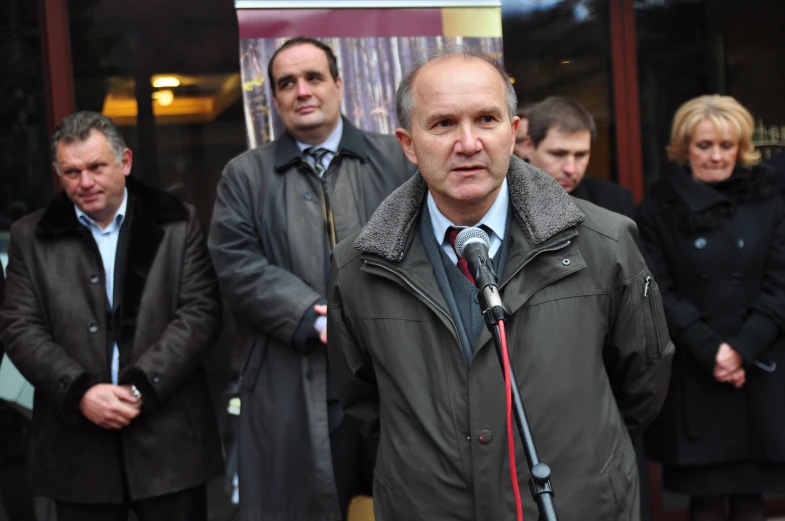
(109,406)
(728,367)
(127,391)
(321,310)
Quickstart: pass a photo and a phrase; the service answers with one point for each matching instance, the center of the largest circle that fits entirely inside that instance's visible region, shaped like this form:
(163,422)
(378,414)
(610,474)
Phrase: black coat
(607,195)
(55,328)
(718,254)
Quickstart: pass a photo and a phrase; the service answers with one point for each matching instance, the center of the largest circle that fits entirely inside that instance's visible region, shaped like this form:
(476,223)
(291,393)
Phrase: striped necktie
(316,156)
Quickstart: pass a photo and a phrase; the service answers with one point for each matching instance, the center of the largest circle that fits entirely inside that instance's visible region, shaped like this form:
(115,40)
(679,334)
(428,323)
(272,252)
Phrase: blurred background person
(523,128)
(713,234)
(559,141)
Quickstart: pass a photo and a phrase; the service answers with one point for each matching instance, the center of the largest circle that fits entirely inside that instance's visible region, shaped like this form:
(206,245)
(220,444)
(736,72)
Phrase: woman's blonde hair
(726,113)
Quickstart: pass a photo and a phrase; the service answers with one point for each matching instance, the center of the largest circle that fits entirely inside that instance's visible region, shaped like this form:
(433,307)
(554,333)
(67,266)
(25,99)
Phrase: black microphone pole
(493,311)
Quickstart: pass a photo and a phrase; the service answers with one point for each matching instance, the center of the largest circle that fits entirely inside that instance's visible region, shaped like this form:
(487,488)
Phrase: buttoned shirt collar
(495,219)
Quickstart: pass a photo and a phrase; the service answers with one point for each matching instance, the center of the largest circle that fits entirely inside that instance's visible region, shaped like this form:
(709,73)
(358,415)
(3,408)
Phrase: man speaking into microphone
(412,360)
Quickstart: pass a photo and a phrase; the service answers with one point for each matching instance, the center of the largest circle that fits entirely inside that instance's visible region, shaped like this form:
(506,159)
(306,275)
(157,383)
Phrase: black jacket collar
(156,206)
(696,196)
(288,153)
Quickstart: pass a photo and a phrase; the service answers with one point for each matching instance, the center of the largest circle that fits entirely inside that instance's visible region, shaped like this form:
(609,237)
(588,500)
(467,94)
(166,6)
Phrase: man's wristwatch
(136,392)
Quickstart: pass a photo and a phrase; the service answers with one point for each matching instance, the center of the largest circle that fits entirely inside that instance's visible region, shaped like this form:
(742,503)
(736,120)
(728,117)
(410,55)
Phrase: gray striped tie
(316,155)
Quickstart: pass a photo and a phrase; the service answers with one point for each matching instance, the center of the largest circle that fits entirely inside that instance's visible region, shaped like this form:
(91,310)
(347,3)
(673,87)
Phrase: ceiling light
(165,81)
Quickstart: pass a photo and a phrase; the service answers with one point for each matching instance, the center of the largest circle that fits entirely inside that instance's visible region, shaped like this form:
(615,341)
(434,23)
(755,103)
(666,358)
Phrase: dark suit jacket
(607,195)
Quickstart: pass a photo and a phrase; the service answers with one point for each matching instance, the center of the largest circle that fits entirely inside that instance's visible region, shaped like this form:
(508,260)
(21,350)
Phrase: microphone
(472,244)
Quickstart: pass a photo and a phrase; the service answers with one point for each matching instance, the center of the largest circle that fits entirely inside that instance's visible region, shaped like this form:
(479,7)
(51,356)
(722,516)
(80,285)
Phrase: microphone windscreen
(469,235)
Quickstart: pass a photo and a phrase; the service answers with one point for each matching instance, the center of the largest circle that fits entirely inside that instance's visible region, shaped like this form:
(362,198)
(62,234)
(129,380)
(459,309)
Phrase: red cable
(510,431)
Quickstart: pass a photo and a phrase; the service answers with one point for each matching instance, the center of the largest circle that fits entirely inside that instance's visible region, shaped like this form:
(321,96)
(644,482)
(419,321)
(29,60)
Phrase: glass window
(25,173)
(25,186)
(170,78)
(688,48)
(562,48)
(674,65)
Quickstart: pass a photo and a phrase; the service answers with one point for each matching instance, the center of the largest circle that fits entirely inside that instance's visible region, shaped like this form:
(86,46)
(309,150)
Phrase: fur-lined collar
(155,206)
(541,207)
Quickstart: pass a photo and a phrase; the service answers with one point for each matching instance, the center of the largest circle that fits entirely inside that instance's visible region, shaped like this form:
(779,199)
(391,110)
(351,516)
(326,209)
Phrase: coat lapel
(150,210)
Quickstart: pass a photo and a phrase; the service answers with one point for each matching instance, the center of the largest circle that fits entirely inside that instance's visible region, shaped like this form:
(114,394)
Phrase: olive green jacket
(588,340)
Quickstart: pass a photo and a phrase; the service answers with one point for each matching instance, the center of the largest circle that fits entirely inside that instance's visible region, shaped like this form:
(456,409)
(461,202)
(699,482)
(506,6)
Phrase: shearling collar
(155,206)
(288,153)
(541,207)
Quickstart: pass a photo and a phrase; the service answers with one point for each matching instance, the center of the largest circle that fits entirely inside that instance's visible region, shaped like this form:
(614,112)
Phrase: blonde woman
(713,234)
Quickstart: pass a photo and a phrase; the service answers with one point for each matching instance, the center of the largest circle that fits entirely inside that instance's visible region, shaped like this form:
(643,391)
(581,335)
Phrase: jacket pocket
(654,328)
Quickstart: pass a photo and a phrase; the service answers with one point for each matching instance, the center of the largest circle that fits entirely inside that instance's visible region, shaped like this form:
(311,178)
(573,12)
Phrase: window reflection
(25,175)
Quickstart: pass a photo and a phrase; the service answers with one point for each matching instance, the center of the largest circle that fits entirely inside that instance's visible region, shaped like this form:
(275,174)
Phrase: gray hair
(77,127)
(404,102)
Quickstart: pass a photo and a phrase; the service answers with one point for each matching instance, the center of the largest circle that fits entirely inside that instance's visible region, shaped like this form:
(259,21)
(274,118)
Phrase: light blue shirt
(106,240)
(330,144)
(495,219)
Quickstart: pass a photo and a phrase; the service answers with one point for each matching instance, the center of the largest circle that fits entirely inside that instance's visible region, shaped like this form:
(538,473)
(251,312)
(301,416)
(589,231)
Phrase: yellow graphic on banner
(471,22)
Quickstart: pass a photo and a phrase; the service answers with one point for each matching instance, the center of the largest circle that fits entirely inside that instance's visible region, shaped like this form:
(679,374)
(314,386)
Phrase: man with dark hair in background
(111,304)
(559,141)
(280,210)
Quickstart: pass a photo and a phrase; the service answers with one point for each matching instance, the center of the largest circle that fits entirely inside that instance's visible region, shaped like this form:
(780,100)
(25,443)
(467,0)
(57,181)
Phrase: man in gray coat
(415,365)
(280,210)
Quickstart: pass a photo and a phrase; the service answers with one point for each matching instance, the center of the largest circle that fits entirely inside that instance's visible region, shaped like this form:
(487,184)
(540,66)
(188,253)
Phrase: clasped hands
(728,366)
(110,406)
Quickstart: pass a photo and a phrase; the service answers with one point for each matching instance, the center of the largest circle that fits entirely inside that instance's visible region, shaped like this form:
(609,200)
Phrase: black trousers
(186,505)
(353,462)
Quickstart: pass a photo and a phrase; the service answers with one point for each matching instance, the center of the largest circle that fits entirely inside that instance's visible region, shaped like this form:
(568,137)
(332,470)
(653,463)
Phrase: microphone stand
(493,311)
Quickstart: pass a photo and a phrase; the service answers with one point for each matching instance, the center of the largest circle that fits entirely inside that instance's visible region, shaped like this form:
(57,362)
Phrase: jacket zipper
(435,306)
(421,293)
